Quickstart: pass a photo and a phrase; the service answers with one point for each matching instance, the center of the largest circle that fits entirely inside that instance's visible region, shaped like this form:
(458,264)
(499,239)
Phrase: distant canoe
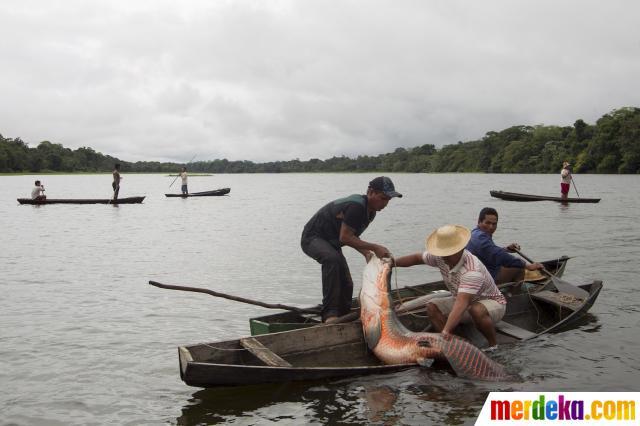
(128,200)
(194,175)
(214,193)
(514,196)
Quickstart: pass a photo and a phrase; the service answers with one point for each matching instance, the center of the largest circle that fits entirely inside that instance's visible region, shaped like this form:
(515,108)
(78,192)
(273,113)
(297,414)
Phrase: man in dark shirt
(502,266)
(337,224)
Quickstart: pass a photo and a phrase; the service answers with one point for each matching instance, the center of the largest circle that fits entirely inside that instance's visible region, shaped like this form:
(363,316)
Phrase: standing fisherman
(565,180)
(116,181)
(183,176)
(337,224)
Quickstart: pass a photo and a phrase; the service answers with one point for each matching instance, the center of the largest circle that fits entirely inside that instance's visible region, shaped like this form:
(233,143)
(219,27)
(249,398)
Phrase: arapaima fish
(393,343)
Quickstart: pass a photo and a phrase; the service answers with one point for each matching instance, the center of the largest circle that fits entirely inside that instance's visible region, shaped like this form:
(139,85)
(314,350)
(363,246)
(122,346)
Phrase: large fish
(393,343)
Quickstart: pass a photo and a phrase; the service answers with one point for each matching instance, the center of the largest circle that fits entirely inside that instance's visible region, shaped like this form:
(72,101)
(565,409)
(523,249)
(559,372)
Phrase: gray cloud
(276,80)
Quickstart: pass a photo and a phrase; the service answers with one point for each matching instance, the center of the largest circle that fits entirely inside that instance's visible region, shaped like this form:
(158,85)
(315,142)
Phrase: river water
(85,340)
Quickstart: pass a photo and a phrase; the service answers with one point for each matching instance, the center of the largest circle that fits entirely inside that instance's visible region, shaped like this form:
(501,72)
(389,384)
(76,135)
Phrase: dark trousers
(116,190)
(337,286)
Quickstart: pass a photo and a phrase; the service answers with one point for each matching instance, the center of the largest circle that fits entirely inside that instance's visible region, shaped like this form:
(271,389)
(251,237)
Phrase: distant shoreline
(610,146)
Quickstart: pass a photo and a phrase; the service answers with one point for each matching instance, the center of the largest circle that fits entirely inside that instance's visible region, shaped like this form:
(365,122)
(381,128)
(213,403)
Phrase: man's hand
(534,266)
(513,247)
(381,251)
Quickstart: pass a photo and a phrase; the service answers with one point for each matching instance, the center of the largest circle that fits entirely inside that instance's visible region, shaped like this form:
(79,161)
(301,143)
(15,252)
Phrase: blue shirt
(482,246)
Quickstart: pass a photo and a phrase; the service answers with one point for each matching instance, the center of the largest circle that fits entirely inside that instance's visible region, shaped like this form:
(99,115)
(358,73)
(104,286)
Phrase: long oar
(179,173)
(236,298)
(561,285)
(573,180)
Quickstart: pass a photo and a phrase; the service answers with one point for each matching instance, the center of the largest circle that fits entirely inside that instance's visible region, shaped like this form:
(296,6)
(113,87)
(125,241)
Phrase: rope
(533,303)
(399,297)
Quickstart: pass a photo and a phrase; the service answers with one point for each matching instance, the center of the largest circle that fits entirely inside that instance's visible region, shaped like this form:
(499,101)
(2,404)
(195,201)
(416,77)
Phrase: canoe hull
(127,200)
(327,352)
(314,351)
(514,196)
(214,193)
(339,350)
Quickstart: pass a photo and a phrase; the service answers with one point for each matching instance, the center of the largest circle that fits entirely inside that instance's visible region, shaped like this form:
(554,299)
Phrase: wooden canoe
(214,193)
(127,200)
(514,196)
(288,320)
(339,350)
(332,351)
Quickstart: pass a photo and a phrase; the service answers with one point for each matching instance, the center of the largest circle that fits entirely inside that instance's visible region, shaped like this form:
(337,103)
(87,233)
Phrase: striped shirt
(468,276)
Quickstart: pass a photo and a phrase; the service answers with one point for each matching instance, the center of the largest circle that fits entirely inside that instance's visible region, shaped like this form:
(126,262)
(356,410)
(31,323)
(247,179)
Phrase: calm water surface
(85,340)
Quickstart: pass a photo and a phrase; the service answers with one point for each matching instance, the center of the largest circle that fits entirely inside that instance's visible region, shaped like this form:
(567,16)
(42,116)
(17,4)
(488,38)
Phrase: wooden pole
(561,285)
(235,298)
(573,181)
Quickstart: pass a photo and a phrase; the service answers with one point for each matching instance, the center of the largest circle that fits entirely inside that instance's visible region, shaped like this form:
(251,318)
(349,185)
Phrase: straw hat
(533,275)
(448,240)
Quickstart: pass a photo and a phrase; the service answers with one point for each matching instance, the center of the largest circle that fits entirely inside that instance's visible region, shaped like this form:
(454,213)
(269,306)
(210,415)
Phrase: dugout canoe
(339,350)
(288,320)
(214,193)
(514,196)
(127,200)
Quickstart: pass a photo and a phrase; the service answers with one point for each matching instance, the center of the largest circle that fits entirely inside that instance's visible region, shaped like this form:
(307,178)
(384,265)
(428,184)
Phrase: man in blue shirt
(340,223)
(502,266)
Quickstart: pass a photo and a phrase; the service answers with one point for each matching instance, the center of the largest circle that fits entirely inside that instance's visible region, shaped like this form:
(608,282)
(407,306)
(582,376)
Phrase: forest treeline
(611,145)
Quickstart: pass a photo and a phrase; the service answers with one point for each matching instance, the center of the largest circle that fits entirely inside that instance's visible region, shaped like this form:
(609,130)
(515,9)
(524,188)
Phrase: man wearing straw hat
(340,223)
(474,295)
(565,180)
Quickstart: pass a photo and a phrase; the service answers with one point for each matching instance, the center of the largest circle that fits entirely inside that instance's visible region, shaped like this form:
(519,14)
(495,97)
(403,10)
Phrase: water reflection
(209,406)
(380,401)
(325,403)
(321,402)
(432,396)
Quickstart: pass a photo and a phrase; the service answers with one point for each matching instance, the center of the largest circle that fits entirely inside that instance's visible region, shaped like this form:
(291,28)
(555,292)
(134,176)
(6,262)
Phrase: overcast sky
(277,80)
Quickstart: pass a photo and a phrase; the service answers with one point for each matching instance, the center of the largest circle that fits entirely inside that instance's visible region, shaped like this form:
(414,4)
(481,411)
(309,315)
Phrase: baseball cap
(384,184)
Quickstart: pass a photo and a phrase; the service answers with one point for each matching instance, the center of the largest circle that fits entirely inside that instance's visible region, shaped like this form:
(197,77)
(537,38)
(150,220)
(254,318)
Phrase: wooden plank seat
(263,353)
(514,330)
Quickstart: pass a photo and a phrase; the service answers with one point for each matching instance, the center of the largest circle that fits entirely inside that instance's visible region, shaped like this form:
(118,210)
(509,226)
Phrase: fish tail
(470,362)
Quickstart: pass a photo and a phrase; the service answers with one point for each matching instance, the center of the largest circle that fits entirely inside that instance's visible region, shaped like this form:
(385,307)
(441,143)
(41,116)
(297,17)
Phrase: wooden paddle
(561,285)
(236,298)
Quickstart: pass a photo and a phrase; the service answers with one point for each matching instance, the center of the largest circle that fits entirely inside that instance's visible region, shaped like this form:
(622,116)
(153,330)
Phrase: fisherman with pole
(565,180)
(183,176)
